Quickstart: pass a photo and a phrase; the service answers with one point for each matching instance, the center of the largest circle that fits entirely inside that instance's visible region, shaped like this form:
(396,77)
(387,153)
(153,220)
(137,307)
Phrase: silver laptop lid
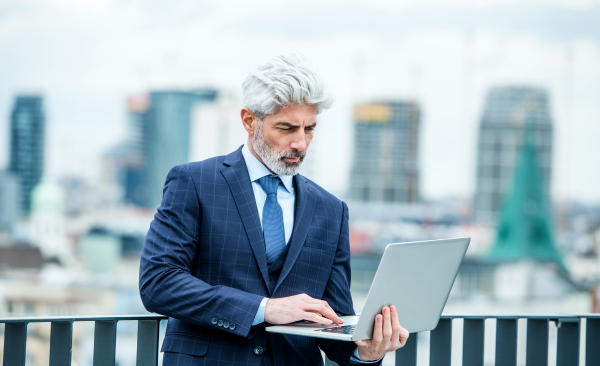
(415,277)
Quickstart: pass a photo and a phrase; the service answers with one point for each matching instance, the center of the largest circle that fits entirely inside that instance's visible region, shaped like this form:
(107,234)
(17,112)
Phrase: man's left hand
(388,336)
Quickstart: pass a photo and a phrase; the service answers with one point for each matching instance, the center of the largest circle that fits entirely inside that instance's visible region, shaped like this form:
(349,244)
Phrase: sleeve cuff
(260,314)
(356,360)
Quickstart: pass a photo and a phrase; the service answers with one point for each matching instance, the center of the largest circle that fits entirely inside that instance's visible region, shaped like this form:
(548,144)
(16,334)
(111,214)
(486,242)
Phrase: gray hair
(282,81)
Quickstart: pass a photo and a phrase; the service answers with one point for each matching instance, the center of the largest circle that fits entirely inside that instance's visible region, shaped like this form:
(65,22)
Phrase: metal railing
(568,345)
(61,339)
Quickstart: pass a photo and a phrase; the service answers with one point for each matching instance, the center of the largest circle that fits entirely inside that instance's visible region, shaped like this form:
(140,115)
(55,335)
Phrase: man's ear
(248,120)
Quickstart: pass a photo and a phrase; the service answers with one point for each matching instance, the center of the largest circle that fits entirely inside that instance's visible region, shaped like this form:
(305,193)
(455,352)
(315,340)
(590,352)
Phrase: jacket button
(226,325)
(214,320)
(232,326)
(220,323)
(258,351)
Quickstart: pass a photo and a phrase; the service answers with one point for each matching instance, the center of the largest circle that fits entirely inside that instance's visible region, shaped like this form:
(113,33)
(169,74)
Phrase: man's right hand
(290,309)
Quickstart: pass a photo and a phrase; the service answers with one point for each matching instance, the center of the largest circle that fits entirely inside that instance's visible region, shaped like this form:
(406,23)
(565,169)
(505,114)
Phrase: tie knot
(269,183)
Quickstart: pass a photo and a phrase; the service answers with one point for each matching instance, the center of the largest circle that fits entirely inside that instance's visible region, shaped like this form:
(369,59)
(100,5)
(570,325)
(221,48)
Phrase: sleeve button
(220,323)
(232,326)
(214,320)
(226,325)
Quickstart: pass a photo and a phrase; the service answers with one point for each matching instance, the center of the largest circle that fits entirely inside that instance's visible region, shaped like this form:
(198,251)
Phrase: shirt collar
(257,170)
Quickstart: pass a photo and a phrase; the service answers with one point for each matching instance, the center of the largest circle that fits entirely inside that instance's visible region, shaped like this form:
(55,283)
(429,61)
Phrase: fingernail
(340,320)
(386,310)
(393,309)
(379,318)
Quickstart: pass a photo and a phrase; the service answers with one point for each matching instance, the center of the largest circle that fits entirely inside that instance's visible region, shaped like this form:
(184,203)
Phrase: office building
(9,201)
(135,190)
(27,133)
(216,128)
(386,161)
(166,136)
(500,142)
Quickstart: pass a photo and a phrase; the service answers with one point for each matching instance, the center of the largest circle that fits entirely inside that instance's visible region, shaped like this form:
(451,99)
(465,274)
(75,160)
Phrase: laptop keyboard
(344,329)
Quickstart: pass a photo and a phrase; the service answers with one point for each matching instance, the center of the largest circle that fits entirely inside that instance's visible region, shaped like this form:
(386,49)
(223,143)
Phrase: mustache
(292,154)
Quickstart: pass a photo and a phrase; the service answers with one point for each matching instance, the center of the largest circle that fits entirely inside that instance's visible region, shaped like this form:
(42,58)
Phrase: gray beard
(274,160)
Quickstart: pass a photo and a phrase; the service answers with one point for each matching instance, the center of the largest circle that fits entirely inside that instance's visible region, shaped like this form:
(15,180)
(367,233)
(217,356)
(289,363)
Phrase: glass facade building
(166,136)
(386,145)
(27,131)
(500,142)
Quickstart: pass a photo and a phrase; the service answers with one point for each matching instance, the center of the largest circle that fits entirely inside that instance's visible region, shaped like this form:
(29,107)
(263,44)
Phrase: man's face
(281,139)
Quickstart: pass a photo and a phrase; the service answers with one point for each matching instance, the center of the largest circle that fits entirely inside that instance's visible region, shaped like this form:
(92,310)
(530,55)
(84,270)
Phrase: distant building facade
(9,201)
(166,136)
(135,191)
(500,141)
(386,144)
(27,131)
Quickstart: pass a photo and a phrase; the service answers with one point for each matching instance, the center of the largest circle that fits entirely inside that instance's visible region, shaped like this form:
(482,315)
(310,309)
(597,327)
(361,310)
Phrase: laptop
(415,277)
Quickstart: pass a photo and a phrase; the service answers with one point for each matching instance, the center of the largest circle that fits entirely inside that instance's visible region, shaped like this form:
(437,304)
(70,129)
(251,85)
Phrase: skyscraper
(386,140)
(27,146)
(9,200)
(135,190)
(166,137)
(500,141)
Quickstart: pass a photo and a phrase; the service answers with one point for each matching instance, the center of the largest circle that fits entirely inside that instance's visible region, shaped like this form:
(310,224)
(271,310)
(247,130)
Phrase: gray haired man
(243,240)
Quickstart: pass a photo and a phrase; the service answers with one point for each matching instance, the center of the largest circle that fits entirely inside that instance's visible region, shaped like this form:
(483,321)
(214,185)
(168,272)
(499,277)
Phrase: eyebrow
(292,125)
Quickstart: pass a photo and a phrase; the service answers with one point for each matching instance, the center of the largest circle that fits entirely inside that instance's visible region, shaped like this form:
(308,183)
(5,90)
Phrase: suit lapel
(236,174)
(305,209)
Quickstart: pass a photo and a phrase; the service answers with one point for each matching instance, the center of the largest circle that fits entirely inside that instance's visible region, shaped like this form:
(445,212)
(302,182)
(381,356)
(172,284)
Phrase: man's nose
(299,141)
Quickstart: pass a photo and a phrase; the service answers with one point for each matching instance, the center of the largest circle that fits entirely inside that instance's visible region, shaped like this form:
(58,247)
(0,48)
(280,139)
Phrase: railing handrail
(520,316)
(537,339)
(82,318)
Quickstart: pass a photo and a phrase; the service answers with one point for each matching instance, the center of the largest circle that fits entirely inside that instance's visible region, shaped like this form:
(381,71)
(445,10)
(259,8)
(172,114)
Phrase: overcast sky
(87,56)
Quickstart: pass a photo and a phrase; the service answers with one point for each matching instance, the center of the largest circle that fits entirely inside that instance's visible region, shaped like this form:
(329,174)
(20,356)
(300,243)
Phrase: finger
(387,324)
(324,303)
(314,317)
(403,336)
(395,326)
(323,309)
(378,329)
(339,320)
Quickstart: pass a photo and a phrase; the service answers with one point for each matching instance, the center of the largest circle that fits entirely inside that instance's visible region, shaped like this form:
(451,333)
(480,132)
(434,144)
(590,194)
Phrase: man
(242,241)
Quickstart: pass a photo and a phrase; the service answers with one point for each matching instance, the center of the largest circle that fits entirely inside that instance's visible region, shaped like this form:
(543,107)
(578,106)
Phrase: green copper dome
(47,197)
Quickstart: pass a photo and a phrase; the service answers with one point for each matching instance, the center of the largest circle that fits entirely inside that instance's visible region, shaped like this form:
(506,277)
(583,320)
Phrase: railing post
(105,342)
(592,340)
(407,355)
(473,338)
(506,342)
(567,344)
(61,343)
(537,342)
(440,346)
(15,342)
(147,343)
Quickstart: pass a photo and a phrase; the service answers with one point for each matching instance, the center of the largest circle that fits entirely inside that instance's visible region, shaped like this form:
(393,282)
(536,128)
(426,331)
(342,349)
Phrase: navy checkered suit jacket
(204,261)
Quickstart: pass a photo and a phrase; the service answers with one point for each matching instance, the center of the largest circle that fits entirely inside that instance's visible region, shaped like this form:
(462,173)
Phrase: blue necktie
(272,218)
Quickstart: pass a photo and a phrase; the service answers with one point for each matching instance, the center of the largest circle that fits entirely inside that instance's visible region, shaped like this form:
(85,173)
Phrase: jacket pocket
(320,244)
(186,344)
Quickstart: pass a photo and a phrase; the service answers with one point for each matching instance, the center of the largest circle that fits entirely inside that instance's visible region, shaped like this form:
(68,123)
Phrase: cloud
(87,60)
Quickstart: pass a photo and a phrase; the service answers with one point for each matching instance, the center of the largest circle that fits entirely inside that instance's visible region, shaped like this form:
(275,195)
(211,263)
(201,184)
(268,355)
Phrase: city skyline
(444,56)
